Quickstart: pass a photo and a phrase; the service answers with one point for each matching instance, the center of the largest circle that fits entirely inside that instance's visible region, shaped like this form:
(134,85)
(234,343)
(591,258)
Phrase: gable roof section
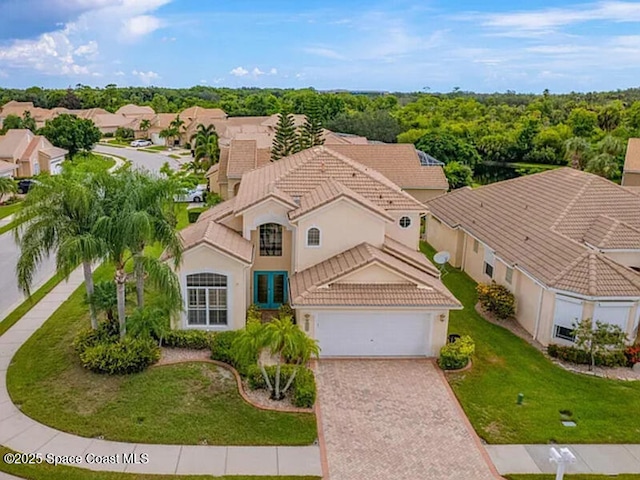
(540,222)
(7,167)
(131,109)
(303,172)
(632,158)
(14,143)
(218,212)
(242,157)
(219,237)
(320,284)
(329,191)
(607,233)
(399,163)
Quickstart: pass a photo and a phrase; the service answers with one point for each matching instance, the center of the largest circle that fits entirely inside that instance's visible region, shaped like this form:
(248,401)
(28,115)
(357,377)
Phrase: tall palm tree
(178,125)
(126,225)
(205,145)
(59,215)
(145,125)
(168,133)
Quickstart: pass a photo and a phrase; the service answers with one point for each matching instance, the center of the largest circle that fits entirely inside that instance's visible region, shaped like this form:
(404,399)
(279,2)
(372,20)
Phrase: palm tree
(177,124)
(59,215)
(284,340)
(168,133)
(7,187)
(577,152)
(126,226)
(145,125)
(205,145)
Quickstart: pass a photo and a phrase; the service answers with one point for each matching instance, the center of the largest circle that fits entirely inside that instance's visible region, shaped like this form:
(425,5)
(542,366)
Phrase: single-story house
(565,242)
(29,154)
(332,237)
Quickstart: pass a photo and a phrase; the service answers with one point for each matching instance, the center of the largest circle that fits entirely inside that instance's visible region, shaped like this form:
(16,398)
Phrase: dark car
(25,185)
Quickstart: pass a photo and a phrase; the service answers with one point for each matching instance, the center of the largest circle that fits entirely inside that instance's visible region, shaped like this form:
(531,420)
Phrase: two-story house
(332,237)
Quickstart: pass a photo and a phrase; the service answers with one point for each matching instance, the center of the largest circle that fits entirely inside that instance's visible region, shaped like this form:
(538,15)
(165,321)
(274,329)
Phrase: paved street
(11,296)
(395,419)
(146,160)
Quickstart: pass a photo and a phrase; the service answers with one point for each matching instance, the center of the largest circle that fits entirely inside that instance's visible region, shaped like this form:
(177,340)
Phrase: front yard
(504,365)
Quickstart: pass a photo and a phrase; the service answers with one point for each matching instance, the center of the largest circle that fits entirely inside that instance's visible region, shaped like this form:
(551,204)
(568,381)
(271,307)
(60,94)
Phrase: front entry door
(270,289)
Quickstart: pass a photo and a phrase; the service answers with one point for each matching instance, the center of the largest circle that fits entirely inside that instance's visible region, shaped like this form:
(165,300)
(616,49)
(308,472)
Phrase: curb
(241,387)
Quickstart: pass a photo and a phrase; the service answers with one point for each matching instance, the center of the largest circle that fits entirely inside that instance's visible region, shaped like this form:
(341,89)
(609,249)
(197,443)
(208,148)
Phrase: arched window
(270,240)
(206,299)
(313,237)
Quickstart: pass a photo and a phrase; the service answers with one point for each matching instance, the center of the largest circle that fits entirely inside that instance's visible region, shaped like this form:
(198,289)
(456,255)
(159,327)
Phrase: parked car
(141,143)
(196,195)
(24,185)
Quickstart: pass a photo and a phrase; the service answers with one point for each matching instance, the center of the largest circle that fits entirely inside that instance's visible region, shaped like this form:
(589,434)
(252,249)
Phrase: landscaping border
(459,370)
(244,396)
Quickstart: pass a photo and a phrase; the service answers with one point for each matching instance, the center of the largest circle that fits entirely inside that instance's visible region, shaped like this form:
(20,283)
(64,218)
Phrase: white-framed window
(313,237)
(476,245)
(508,275)
(405,222)
(568,312)
(206,299)
(489,262)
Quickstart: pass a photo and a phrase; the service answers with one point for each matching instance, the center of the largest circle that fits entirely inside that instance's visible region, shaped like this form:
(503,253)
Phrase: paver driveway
(394,419)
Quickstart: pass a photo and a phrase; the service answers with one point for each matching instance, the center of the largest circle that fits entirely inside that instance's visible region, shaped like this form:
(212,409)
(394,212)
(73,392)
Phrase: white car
(195,195)
(141,143)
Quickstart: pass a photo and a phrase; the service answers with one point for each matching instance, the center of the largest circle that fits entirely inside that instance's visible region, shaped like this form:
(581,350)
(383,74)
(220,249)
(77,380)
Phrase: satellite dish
(441,257)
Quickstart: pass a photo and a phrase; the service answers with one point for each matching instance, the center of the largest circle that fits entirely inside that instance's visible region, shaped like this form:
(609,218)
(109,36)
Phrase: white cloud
(273,71)
(146,77)
(239,72)
(119,73)
(87,50)
(256,72)
(137,27)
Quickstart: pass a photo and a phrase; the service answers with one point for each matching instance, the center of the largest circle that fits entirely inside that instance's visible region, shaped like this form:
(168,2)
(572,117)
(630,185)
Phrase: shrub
(497,299)
(194,213)
(285,310)
(107,332)
(632,354)
(194,339)
(254,312)
(130,355)
(457,354)
(302,391)
(223,351)
(125,133)
(612,358)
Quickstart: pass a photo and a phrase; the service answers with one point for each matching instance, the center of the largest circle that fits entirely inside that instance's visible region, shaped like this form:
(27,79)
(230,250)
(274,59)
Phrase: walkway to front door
(395,419)
(270,289)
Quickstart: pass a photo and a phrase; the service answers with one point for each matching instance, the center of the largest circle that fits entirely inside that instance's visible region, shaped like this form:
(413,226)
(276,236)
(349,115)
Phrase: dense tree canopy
(72,133)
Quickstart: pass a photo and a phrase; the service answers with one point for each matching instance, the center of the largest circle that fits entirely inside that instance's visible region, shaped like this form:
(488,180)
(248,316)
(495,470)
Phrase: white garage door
(370,334)
(56,167)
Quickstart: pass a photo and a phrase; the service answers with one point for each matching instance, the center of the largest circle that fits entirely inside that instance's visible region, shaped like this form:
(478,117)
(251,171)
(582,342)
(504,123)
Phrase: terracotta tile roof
(14,142)
(539,223)
(242,157)
(53,152)
(327,192)
(308,285)
(192,113)
(632,158)
(224,163)
(212,169)
(413,257)
(132,109)
(399,163)
(218,212)
(333,138)
(608,233)
(28,152)
(300,173)
(219,237)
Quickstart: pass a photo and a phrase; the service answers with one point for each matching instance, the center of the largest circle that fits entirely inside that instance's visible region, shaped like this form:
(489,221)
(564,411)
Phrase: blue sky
(400,45)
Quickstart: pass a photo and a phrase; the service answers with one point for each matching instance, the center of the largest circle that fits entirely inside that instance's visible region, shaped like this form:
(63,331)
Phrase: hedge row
(575,355)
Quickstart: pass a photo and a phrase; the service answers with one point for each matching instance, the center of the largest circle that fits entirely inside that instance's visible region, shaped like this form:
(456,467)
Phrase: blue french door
(270,289)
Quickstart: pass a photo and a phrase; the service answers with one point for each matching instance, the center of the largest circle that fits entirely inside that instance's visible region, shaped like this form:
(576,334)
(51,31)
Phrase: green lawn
(49,472)
(111,144)
(505,365)
(92,162)
(6,210)
(179,404)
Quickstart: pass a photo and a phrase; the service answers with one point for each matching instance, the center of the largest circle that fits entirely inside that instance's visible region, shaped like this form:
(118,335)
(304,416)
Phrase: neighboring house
(29,154)
(565,242)
(131,110)
(631,171)
(332,237)
(400,163)
(40,115)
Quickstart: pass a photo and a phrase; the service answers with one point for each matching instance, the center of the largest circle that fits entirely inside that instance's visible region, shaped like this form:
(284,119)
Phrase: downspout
(537,326)
(464,250)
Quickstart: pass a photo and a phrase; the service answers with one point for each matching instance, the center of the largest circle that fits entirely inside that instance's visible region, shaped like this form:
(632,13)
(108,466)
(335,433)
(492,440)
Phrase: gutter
(536,328)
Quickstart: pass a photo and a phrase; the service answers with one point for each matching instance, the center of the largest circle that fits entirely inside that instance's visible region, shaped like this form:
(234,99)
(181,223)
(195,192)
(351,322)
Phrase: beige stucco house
(631,171)
(400,163)
(24,154)
(565,242)
(332,237)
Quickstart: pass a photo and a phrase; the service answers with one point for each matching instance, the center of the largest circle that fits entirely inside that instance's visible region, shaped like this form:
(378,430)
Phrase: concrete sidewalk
(591,459)
(22,434)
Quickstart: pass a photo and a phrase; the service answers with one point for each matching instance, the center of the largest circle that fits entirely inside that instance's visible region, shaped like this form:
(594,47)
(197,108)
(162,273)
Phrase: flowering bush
(633,354)
(496,299)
